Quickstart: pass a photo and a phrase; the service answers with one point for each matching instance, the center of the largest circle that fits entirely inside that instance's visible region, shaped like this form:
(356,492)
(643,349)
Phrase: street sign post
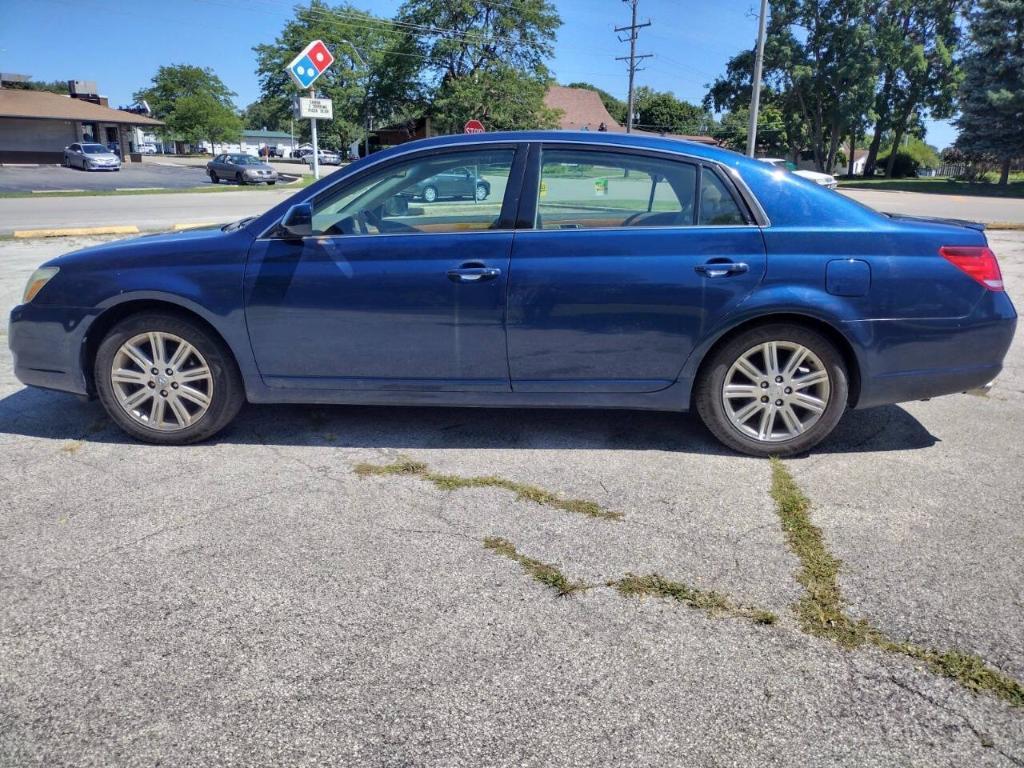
(304,70)
(474,126)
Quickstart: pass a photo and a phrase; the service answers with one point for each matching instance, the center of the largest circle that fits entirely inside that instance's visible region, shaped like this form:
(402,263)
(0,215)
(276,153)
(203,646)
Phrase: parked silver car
(91,157)
(245,169)
(324,157)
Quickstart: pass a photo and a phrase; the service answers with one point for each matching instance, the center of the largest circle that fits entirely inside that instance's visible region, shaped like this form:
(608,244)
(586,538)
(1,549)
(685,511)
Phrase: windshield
(243,160)
(95,149)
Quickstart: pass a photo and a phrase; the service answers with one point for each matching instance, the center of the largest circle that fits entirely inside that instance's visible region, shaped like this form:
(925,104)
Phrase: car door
(388,294)
(632,256)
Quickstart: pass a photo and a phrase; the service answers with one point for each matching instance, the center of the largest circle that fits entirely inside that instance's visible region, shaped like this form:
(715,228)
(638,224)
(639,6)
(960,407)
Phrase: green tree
(375,72)
(50,86)
(265,114)
(193,103)
(772,140)
(991,121)
(914,41)
(486,59)
(173,82)
(616,107)
(200,116)
(662,111)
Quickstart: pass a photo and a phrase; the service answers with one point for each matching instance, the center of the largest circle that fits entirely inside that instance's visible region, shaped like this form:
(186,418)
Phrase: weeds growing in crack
(522,491)
(714,603)
(546,574)
(821,610)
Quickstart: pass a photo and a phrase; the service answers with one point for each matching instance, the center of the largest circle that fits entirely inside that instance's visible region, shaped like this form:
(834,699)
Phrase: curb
(76,231)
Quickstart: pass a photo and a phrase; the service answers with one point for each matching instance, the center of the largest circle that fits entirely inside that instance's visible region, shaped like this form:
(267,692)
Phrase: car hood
(145,247)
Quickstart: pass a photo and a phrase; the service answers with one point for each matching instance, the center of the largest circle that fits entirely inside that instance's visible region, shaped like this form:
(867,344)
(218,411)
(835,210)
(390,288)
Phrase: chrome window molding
(761,219)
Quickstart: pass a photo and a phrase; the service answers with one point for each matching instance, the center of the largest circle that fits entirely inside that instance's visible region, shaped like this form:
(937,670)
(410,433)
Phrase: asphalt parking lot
(149,174)
(302,590)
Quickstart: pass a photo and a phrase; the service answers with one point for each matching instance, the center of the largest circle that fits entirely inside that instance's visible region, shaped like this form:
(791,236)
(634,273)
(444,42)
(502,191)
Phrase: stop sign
(473,126)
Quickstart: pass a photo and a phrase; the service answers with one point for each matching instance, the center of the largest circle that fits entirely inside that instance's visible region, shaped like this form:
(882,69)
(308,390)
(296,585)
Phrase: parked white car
(824,179)
(147,149)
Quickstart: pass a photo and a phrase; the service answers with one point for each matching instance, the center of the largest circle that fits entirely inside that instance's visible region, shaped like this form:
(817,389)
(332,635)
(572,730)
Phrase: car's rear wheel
(775,390)
(430,194)
(166,379)
(214,177)
(481,192)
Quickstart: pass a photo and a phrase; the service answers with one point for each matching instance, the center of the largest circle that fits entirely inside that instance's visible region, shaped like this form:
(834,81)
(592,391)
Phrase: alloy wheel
(161,381)
(776,391)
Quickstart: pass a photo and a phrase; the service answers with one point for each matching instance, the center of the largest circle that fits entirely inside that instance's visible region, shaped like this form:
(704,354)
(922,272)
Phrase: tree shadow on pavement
(40,413)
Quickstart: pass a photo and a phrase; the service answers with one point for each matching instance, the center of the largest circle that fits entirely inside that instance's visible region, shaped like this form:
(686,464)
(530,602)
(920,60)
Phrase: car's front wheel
(166,379)
(774,390)
(481,192)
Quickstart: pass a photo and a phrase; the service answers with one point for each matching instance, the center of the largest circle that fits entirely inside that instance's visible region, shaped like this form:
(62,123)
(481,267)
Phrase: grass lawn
(939,186)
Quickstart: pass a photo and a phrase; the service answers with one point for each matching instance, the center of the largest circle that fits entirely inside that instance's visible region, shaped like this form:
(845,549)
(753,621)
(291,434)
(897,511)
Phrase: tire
(271,183)
(721,414)
(429,194)
(240,179)
(221,385)
(481,192)
(214,177)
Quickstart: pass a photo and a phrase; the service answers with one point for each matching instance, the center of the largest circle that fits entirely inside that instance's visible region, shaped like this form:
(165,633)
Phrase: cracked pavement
(252,601)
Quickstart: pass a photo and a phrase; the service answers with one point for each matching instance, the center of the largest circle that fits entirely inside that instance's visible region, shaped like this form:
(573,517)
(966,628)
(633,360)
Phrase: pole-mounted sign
(473,126)
(310,64)
(304,70)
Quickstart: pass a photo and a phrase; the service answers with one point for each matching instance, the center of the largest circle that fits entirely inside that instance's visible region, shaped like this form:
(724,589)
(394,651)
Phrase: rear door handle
(721,269)
(473,274)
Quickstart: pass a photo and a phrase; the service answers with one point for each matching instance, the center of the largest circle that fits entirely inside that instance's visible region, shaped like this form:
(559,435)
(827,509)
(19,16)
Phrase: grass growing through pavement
(546,574)
(714,603)
(821,611)
(522,491)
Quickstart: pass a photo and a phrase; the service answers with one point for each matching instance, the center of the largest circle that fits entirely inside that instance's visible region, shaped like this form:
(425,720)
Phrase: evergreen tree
(991,122)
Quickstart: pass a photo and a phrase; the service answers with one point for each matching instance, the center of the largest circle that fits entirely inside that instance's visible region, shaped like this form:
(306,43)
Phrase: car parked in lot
(613,271)
(91,157)
(826,180)
(245,169)
(147,149)
(456,184)
(324,157)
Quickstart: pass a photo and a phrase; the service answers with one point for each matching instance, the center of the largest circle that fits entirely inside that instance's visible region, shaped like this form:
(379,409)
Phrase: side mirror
(298,221)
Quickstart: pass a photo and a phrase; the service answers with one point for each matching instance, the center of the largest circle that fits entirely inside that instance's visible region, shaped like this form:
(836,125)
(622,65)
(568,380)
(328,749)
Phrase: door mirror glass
(298,222)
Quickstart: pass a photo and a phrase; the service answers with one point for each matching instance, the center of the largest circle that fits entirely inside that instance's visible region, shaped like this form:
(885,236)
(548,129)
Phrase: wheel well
(825,329)
(111,317)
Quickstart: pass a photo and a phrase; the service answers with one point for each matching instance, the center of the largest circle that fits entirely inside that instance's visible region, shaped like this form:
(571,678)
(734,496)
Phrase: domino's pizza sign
(310,64)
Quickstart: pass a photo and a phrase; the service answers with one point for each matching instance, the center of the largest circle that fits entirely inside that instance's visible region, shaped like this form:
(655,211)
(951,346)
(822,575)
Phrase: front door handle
(473,274)
(721,269)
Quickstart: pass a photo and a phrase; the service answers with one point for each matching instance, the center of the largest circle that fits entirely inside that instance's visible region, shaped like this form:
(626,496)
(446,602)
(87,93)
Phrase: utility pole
(755,93)
(633,58)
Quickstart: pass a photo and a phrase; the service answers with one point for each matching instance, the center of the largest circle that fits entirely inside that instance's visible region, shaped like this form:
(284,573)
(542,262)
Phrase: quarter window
(582,189)
(454,192)
(717,205)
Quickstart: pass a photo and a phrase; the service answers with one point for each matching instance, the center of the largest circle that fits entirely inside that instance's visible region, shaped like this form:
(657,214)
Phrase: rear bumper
(47,344)
(919,359)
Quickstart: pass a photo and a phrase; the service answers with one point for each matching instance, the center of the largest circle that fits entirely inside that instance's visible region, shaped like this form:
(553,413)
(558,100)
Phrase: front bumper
(47,344)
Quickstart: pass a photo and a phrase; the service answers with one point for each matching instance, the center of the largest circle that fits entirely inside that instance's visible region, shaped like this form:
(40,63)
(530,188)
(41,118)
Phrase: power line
(633,57)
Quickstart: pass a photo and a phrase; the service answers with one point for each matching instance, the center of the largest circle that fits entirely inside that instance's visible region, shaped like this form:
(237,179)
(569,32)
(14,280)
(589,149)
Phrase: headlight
(39,278)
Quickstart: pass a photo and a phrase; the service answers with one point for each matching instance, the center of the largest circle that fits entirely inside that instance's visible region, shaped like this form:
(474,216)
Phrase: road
(255,601)
(157,211)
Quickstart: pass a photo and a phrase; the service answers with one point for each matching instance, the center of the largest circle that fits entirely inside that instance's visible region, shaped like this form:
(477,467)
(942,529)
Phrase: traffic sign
(310,64)
(474,126)
(322,109)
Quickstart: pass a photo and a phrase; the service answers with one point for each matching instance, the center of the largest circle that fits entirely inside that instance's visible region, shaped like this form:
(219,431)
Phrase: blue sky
(120,44)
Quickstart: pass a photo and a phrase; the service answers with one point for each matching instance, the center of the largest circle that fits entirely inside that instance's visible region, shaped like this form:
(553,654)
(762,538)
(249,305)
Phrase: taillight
(977,261)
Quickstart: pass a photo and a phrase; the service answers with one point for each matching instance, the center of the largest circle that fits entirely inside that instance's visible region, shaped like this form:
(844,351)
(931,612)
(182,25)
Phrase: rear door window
(584,189)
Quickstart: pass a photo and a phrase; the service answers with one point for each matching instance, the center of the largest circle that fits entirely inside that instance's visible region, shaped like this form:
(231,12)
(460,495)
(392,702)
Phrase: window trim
(527,212)
(506,217)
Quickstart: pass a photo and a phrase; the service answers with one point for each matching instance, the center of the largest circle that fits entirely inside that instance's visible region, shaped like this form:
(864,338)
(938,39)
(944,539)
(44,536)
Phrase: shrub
(904,166)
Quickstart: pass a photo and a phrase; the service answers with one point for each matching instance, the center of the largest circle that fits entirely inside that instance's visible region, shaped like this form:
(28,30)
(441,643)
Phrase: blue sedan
(603,270)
